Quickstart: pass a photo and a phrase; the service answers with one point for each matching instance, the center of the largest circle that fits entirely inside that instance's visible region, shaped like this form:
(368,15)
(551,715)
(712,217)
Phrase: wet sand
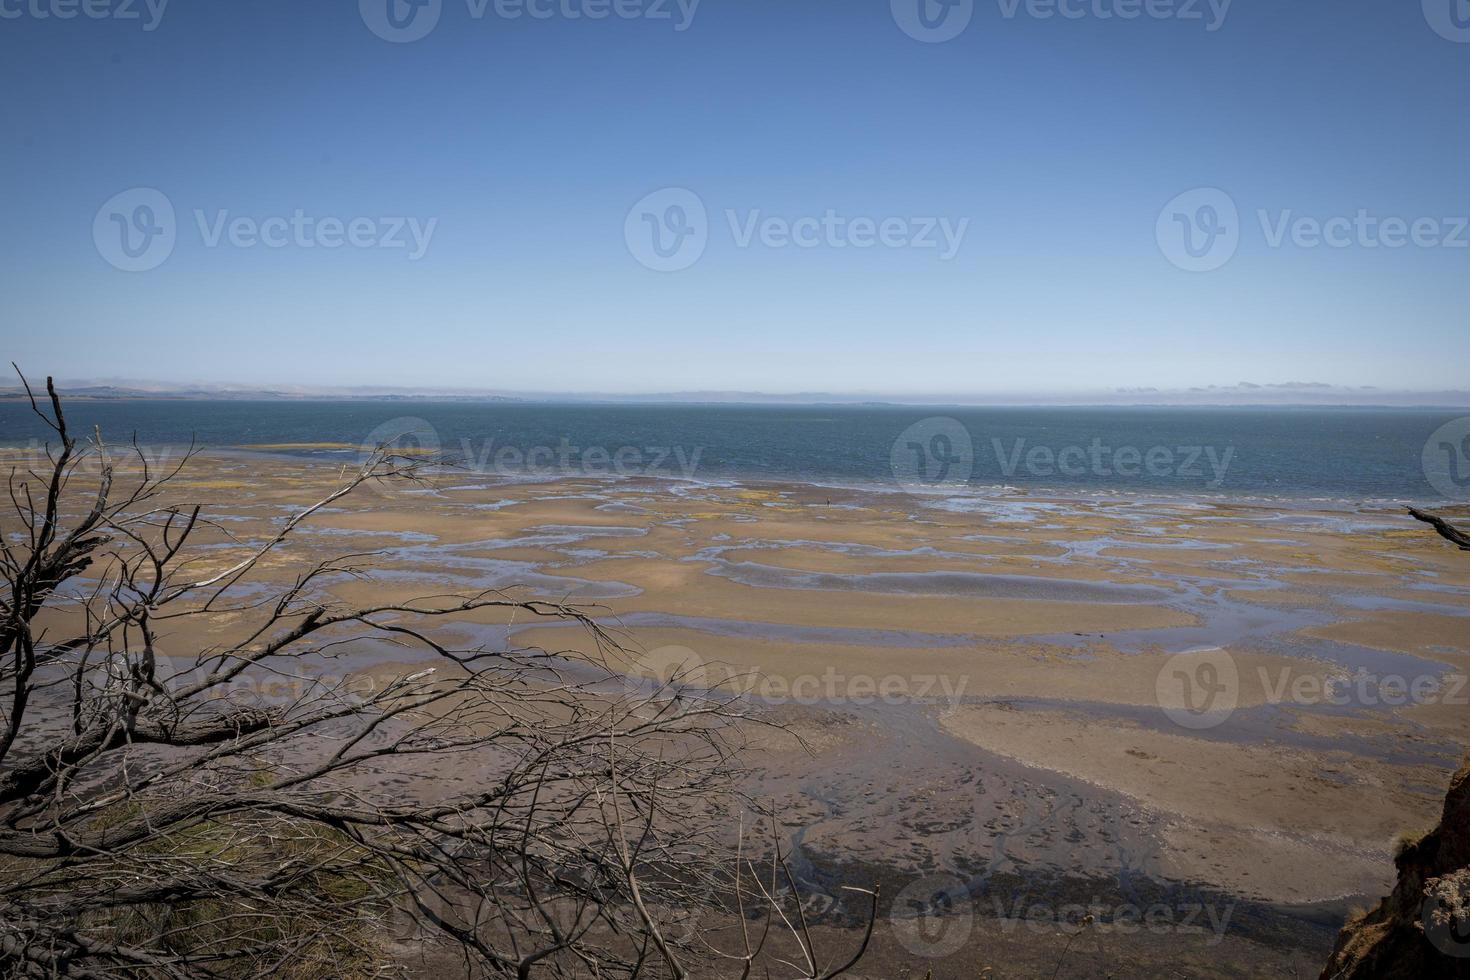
(984,680)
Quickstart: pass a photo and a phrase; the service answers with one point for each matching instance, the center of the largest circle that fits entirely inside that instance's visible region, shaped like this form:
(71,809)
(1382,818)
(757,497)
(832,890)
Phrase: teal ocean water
(1349,454)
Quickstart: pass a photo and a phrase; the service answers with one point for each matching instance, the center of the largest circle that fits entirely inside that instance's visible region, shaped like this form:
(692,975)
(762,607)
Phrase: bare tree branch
(237,809)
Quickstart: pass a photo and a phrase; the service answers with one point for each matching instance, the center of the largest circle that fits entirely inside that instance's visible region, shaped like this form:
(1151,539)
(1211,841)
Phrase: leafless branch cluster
(188,789)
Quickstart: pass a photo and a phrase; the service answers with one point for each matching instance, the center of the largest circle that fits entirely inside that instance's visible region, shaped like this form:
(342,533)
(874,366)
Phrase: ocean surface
(1340,454)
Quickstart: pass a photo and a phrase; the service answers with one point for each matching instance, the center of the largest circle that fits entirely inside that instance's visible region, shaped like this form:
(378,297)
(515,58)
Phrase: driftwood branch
(1446,530)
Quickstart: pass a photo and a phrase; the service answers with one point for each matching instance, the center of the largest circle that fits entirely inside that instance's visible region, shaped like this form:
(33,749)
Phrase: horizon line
(1304,394)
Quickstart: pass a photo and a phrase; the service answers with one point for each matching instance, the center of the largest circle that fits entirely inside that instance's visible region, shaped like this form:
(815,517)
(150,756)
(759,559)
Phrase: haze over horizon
(1241,394)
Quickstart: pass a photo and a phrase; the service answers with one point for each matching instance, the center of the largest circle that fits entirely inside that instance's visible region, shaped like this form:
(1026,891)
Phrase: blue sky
(518,146)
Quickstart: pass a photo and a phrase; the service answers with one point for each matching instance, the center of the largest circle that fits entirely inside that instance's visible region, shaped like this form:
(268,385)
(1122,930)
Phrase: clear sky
(519,147)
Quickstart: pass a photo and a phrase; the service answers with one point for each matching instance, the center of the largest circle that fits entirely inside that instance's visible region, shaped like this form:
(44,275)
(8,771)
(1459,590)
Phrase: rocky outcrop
(1422,930)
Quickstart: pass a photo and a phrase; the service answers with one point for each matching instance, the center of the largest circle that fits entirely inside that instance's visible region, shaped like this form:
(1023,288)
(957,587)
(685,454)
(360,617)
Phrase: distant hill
(115,392)
(1244,394)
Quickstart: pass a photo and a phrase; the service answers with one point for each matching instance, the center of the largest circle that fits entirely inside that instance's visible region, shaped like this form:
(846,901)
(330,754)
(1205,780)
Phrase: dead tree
(233,809)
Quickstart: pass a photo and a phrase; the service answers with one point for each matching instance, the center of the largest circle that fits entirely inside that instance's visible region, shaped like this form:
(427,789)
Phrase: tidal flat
(982,691)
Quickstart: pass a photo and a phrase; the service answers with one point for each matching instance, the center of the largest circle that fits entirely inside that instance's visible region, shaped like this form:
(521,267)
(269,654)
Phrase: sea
(1352,455)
